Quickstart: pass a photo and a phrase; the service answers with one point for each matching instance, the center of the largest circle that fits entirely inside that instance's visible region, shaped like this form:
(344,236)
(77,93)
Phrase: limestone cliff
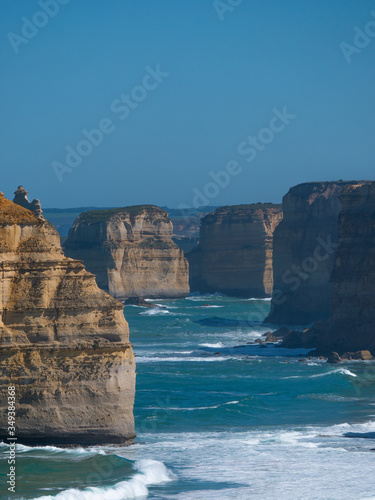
(352,325)
(64,343)
(305,243)
(130,251)
(234,255)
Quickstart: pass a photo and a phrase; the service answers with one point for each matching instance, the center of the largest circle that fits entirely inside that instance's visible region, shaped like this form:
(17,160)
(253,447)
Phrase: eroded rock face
(64,343)
(130,251)
(20,198)
(305,243)
(234,255)
(352,324)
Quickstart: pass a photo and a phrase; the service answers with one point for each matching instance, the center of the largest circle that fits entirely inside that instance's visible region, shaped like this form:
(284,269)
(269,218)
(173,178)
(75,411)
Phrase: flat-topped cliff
(234,255)
(352,324)
(305,243)
(64,343)
(130,251)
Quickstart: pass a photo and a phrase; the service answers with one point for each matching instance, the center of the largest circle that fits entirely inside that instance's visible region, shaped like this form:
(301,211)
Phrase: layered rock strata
(64,343)
(234,255)
(305,244)
(130,251)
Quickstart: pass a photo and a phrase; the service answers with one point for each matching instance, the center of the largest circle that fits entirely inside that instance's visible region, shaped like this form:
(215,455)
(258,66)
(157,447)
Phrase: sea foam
(151,472)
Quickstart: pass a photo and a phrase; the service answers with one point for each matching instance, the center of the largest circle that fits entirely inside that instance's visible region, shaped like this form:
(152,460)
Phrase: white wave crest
(151,472)
(145,359)
(21,448)
(219,344)
(155,312)
(343,371)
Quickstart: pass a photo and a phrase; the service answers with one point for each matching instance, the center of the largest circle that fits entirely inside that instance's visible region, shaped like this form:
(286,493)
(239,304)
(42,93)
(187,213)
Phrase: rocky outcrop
(64,343)
(234,255)
(305,243)
(20,198)
(352,324)
(130,251)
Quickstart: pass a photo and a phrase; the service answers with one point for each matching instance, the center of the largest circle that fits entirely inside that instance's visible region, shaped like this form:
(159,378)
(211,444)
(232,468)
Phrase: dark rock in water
(359,355)
(277,335)
(138,301)
(363,355)
(281,332)
(295,339)
(334,358)
(364,435)
(260,341)
(224,322)
(268,337)
(347,356)
(303,360)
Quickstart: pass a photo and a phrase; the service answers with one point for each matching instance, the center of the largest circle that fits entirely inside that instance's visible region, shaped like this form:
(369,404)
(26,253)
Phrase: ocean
(218,417)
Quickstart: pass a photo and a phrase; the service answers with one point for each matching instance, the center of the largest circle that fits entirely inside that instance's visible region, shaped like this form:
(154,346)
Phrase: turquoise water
(218,417)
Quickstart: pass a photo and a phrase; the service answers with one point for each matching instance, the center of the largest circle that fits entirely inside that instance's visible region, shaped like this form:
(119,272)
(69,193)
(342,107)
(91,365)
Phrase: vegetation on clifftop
(96,216)
(153,243)
(229,211)
(11,213)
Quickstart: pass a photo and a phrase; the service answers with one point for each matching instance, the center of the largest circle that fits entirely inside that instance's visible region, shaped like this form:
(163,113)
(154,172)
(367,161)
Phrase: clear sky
(219,73)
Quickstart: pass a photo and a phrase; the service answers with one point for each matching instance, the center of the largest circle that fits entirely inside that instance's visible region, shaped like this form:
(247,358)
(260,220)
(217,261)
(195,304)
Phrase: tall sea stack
(64,343)
(352,325)
(305,243)
(234,255)
(130,251)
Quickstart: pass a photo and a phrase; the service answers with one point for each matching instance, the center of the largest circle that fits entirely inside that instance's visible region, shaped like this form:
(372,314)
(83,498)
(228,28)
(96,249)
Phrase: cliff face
(64,343)
(130,251)
(234,255)
(352,325)
(305,243)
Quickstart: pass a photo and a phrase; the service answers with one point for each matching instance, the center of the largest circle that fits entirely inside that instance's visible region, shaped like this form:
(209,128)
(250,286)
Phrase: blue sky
(228,70)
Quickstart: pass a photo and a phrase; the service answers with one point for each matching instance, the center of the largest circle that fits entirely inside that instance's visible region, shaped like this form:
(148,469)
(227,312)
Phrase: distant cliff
(130,251)
(305,243)
(352,325)
(234,255)
(64,343)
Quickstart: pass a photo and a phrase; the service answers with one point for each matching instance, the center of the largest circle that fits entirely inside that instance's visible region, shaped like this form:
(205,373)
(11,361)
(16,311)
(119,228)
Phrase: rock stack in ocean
(64,343)
(130,251)
(305,244)
(352,324)
(234,255)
